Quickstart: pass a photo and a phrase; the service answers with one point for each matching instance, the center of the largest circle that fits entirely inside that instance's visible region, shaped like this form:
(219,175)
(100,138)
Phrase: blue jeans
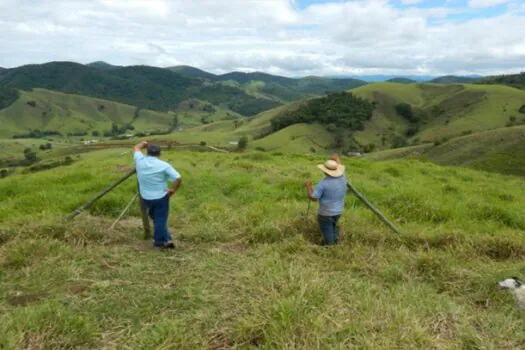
(158,211)
(328,226)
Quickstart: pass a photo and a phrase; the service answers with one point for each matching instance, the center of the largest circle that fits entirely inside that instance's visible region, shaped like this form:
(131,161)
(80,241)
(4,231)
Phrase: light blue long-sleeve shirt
(153,175)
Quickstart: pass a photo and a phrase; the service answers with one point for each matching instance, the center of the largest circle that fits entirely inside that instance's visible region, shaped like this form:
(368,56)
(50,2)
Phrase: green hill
(192,72)
(500,150)
(275,87)
(452,79)
(47,110)
(514,80)
(401,81)
(441,111)
(143,86)
(102,65)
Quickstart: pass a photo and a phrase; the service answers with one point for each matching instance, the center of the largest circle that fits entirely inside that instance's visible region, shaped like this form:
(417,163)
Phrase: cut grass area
(246,272)
(298,138)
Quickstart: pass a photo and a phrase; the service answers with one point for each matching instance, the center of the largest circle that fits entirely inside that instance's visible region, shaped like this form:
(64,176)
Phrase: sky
(286,37)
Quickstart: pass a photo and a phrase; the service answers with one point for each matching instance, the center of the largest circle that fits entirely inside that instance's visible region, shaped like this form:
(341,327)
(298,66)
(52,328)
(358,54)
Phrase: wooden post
(145,218)
(98,196)
(371,207)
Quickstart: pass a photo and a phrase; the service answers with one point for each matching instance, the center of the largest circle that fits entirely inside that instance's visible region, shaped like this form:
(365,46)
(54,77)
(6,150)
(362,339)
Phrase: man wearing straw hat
(330,192)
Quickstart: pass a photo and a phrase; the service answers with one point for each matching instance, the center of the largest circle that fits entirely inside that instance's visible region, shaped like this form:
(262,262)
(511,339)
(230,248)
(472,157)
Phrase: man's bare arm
(140,146)
(174,186)
(310,191)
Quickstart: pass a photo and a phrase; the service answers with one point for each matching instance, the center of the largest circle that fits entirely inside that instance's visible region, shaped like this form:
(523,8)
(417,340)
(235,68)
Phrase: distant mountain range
(164,89)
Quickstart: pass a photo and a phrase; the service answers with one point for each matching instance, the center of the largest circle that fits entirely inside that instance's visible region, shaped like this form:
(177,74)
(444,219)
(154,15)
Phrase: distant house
(354,154)
(88,142)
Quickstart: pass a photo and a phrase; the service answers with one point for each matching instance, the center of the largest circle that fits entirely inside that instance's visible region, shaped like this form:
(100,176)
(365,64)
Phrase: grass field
(247,271)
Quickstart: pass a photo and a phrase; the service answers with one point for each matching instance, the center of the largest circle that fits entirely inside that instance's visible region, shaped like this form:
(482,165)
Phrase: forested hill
(142,86)
(274,86)
(514,80)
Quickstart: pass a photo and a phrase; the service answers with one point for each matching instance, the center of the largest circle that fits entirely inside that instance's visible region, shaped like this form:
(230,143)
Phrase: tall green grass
(248,271)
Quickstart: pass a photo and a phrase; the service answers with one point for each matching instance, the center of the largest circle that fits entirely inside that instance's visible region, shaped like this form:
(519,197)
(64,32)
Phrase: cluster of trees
(117,130)
(49,165)
(415,117)
(45,146)
(339,110)
(37,134)
(7,96)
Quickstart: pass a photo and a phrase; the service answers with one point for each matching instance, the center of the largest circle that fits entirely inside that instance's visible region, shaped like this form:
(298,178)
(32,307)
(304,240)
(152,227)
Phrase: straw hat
(332,168)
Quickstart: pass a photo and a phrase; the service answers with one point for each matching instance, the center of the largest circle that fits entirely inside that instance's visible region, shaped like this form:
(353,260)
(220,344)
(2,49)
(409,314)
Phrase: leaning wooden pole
(371,207)
(145,218)
(98,196)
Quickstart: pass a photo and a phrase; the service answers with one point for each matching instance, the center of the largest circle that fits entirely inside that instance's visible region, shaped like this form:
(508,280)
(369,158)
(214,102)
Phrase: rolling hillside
(445,110)
(500,150)
(66,113)
(143,86)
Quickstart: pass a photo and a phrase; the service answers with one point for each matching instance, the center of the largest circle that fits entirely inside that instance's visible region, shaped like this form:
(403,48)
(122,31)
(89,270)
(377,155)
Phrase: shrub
(203,143)
(522,109)
(399,142)
(243,143)
(261,149)
(31,103)
(412,130)
(369,148)
(467,132)
(405,110)
(95,133)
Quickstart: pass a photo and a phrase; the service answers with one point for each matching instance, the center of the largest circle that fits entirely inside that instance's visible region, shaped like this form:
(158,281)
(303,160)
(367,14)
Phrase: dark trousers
(158,211)
(328,226)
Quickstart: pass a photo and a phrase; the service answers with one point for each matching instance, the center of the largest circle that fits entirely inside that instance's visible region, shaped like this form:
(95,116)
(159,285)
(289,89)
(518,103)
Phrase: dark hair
(153,150)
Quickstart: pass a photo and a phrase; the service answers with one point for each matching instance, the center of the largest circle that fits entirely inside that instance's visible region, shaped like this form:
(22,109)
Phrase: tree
(31,157)
(243,143)
(405,110)
(27,150)
(235,124)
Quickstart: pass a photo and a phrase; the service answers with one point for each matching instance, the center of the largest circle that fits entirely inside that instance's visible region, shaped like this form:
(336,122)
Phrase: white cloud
(486,3)
(411,2)
(344,37)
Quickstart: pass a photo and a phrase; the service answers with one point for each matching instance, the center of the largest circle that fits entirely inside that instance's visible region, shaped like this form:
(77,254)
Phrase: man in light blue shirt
(330,192)
(153,174)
